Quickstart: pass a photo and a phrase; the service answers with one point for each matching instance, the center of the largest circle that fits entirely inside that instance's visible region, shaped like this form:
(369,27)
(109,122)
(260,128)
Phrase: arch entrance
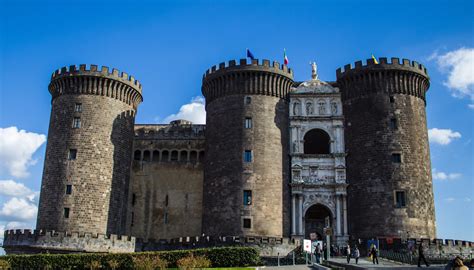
(314,220)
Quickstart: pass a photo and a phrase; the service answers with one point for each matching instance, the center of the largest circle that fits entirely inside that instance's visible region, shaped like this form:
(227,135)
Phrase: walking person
(356,254)
(348,254)
(373,253)
(421,255)
(317,253)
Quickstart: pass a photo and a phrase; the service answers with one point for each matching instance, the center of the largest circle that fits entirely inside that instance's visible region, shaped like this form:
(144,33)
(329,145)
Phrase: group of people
(373,253)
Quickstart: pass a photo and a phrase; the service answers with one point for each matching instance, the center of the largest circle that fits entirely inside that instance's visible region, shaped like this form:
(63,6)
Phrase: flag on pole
(285,58)
(250,54)
(375,59)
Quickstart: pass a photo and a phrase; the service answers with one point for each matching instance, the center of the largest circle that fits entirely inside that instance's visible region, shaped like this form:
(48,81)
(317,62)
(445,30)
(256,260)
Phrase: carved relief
(296,108)
(334,107)
(322,107)
(309,108)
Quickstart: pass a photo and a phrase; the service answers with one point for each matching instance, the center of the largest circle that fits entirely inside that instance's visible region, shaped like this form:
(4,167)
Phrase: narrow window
(393,123)
(72,154)
(248,156)
(247,197)
(137,155)
(248,122)
(76,122)
(66,212)
(400,199)
(247,223)
(68,189)
(166,218)
(248,100)
(392,99)
(166,200)
(133,219)
(396,158)
(146,155)
(78,107)
(134,199)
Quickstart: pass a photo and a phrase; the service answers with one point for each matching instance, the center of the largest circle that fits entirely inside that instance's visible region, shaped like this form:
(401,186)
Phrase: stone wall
(257,91)
(28,242)
(384,107)
(165,199)
(99,172)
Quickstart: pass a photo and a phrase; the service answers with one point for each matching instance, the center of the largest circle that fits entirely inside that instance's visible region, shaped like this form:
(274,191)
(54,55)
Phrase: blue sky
(169,45)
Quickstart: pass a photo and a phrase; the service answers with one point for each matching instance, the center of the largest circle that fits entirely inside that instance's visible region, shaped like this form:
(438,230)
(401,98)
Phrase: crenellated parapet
(92,81)
(395,77)
(40,241)
(256,78)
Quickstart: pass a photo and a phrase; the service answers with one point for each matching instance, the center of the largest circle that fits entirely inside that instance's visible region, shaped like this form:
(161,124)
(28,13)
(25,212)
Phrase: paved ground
(364,263)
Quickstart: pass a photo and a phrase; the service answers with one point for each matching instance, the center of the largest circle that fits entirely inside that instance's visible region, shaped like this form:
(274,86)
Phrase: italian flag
(285,58)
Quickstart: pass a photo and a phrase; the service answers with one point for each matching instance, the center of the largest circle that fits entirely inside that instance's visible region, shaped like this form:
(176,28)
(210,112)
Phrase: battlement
(254,64)
(92,81)
(395,77)
(94,71)
(174,130)
(383,64)
(41,241)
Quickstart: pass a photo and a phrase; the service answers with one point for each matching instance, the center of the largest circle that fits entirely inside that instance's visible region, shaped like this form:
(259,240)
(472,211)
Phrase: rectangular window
(247,223)
(247,197)
(68,189)
(66,212)
(166,218)
(134,198)
(392,99)
(248,100)
(248,156)
(76,122)
(248,122)
(396,158)
(133,219)
(393,123)
(72,154)
(400,199)
(78,107)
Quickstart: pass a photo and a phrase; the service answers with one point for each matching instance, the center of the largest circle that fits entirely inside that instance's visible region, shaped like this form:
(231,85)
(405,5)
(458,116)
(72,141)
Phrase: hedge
(219,257)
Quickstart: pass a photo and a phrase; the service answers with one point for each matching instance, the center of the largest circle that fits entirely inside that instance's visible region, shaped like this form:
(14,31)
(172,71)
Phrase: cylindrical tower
(390,190)
(88,154)
(246,167)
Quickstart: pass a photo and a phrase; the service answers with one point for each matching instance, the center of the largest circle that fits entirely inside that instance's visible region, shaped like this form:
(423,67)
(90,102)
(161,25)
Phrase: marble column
(344,205)
(293,215)
(301,214)
(338,215)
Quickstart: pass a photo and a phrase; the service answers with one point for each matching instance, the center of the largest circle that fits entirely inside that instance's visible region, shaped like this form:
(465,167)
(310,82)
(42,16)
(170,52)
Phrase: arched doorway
(317,141)
(314,220)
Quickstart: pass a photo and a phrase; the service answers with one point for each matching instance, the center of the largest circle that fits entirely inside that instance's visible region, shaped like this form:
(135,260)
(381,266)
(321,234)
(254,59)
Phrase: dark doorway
(314,220)
(317,141)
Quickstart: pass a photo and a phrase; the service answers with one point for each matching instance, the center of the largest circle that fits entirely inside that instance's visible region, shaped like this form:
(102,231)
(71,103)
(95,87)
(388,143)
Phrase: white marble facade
(318,180)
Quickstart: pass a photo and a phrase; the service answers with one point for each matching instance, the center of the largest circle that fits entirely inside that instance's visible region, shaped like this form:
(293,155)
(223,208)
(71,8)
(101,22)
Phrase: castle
(277,159)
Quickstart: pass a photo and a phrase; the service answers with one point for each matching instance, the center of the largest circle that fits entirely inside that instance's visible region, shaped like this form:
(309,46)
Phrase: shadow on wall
(122,139)
(281,121)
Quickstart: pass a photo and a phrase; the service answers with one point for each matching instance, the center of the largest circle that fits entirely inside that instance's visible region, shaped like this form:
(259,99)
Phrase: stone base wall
(28,242)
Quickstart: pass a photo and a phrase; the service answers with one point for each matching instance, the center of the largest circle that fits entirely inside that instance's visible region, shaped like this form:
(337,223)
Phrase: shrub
(4,265)
(149,262)
(93,265)
(219,257)
(113,264)
(191,262)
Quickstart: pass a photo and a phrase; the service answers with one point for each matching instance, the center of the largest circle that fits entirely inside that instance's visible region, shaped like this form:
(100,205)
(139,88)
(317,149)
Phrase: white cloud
(442,136)
(12,188)
(467,199)
(16,150)
(442,176)
(16,209)
(449,200)
(459,65)
(194,111)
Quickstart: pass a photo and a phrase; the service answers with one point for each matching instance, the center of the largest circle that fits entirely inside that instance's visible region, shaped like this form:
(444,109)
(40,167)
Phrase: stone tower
(88,155)
(390,190)
(246,167)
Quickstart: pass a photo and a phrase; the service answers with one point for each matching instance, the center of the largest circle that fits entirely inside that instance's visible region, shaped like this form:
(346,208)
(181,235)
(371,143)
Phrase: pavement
(364,263)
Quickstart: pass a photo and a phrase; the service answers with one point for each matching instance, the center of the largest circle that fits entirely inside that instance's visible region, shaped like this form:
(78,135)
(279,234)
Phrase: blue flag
(250,55)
